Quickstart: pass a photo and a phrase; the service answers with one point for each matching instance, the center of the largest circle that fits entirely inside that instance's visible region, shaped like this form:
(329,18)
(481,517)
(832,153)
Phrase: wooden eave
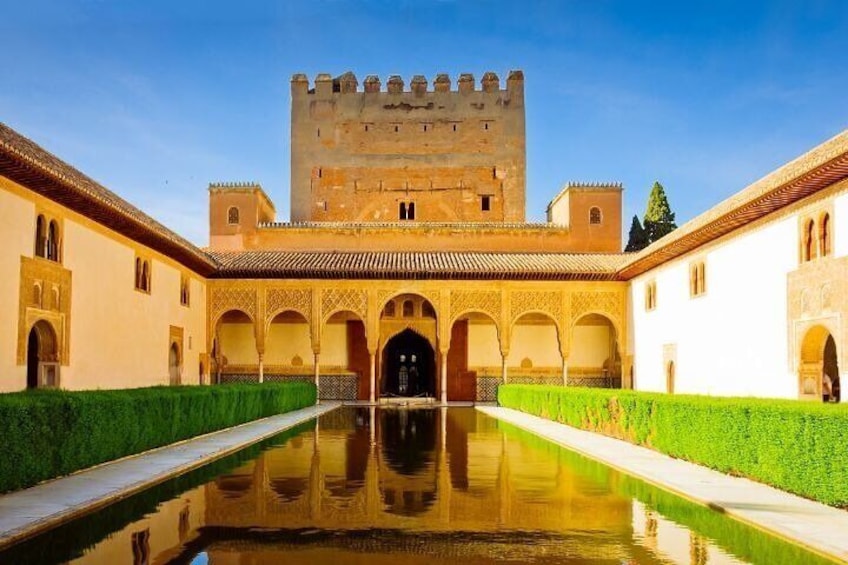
(105,208)
(787,185)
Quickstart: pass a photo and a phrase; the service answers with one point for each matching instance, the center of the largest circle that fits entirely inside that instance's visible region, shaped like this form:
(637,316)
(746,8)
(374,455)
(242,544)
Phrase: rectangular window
(142,274)
(485,203)
(650,295)
(697,279)
(185,290)
(406,211)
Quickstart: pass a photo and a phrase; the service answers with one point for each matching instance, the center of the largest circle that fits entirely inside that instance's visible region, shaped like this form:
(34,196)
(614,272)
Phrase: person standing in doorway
(403,376)
(827,388)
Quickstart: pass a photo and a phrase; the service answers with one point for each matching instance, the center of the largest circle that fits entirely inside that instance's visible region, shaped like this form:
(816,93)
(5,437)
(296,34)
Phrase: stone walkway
(820,528)
(28,512)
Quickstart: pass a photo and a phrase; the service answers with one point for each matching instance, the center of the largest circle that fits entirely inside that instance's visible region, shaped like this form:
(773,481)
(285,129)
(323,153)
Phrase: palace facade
(408,268)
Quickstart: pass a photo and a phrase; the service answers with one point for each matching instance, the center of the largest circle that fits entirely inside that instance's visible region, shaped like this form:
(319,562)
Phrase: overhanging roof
(29,165)
(418,265)
(815,170)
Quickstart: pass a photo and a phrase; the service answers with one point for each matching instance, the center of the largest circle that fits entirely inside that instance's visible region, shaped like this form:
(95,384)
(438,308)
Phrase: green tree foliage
(638,238)
(659,219)
(788,444)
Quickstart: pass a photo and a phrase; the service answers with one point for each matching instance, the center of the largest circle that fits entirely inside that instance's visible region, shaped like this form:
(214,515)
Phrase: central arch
(409,366)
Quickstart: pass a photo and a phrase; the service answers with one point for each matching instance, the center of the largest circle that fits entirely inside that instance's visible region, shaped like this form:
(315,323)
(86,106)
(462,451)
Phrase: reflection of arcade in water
(386,469)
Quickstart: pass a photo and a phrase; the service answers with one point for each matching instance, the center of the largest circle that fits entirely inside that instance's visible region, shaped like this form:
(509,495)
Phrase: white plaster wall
(238,344)
(539,343)
(17,232)
(733,339)
(120,336)
(334,345)
(287,340)
(840,223)
(483,346)
(590,346)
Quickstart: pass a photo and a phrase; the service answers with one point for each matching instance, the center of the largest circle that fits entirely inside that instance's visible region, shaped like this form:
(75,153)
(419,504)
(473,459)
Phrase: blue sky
(156,99)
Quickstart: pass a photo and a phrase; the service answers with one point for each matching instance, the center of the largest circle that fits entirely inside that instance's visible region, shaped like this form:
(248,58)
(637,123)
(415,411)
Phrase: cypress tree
(638,238)
(659,219)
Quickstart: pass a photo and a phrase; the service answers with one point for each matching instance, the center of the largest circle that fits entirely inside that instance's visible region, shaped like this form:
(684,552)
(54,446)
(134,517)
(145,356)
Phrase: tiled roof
(30,165)
(413,225)
(815,170)
(414,265)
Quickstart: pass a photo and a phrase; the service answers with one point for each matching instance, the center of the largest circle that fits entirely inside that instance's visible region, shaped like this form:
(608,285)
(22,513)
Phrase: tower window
(397,128)
(406,211)
(233,215)
(595,215)
(454,127)
(486,203)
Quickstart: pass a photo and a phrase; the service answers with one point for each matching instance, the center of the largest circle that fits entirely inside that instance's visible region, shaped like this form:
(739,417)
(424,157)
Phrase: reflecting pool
(386,486)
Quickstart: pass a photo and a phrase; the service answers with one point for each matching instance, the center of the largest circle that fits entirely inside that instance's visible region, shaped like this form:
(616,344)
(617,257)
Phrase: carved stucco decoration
(549,302)
(338,300)
(608,303)
(51,303)
(225,299)
(487,301)
(282,299)
(385,294)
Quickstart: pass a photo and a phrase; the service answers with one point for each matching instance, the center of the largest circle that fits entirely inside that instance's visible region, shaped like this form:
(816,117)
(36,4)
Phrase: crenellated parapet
(324,85)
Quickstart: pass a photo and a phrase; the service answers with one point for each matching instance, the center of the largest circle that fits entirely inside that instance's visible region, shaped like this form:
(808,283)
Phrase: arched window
(145,276)
(824,235)
(138,273)
(40,237)
(233,215)
(36,295)
(390,309)
(408,309)
(427,310)
(184,291)
(809,252)
(697,278)
(53,241)
(594,215)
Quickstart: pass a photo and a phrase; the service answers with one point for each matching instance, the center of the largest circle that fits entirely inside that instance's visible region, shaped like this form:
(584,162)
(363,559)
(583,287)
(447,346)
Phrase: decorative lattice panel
(488,301)
(338,300)
(609,303)
(224,299)
(595,382)
(549,302)
(281,299)
(487,388)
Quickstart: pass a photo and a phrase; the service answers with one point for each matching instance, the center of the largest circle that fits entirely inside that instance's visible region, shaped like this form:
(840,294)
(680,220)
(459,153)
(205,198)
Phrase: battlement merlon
(324,85)
(244,187)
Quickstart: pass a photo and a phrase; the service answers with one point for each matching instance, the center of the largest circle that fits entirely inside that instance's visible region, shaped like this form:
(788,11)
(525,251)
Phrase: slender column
(317,379)
(373,386)
(444,376)
(565,372)
(503,369)
(261,368)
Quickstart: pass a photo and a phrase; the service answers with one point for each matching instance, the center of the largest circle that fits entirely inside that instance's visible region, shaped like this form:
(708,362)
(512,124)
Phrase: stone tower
(416,154)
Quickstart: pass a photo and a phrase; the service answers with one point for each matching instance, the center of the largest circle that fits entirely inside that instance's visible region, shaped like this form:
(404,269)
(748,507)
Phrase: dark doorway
(409,365)
(33,347)
(830,370)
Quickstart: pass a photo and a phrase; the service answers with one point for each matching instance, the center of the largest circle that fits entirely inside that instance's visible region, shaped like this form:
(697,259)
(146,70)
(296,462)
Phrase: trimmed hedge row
(796,446)
(51,433)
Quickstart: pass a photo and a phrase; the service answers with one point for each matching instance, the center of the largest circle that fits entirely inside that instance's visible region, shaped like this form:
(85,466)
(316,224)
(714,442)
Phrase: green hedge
(50,433)
(795,446)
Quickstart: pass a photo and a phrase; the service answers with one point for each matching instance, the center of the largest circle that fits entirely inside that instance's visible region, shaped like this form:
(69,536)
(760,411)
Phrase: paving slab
(29,512)
(818,527)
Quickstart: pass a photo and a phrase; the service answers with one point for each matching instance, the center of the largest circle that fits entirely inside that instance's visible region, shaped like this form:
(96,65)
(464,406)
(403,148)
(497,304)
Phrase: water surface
(365,485)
